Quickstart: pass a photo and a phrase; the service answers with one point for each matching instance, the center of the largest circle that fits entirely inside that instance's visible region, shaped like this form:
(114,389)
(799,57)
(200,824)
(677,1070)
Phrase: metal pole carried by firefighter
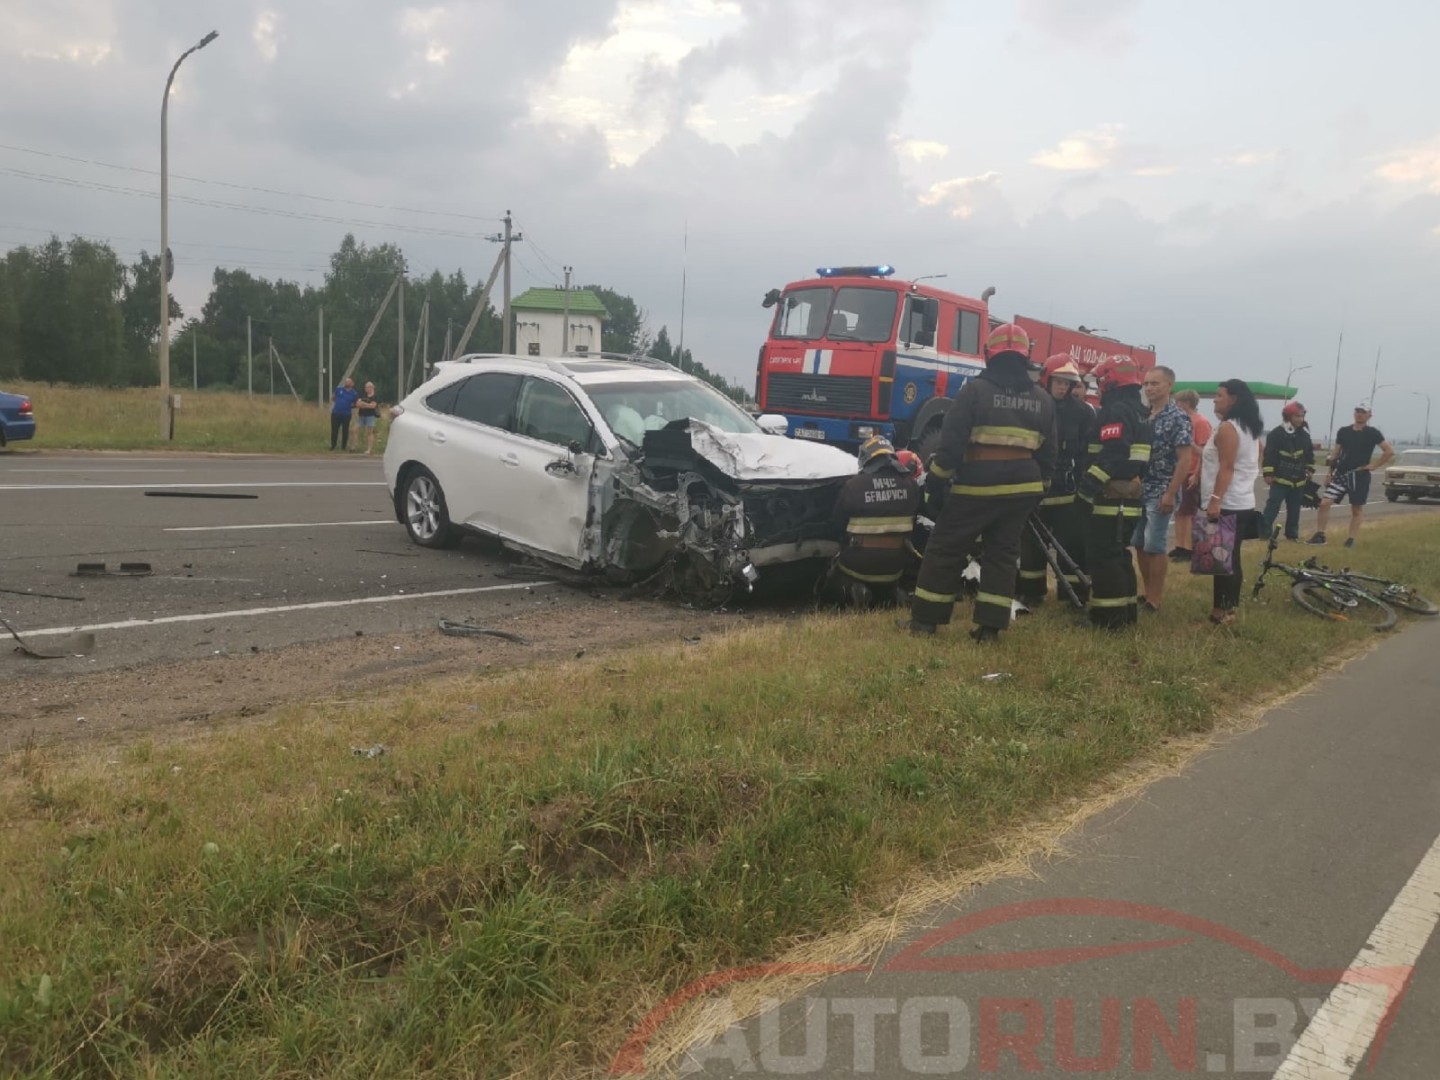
(1112,493)
(877,509)
(1059,510)
(996,456)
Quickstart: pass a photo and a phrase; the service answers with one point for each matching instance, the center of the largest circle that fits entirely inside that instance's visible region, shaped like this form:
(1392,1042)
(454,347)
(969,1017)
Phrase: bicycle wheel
(1344,605)
(1395,594)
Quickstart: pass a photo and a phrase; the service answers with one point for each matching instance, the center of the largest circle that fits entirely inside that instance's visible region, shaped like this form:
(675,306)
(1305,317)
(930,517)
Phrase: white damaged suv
(626,467)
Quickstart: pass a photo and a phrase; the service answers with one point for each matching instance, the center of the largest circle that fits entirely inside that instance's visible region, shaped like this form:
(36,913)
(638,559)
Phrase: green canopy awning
(1265,391)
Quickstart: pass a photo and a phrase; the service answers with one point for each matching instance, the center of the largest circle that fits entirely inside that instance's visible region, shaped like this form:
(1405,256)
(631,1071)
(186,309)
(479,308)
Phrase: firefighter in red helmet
(1059,509)
(997,452)
(1287,467)
(877,509)
(1112,492)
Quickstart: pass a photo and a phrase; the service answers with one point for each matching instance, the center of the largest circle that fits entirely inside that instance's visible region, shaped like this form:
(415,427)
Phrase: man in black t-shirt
(1350,471)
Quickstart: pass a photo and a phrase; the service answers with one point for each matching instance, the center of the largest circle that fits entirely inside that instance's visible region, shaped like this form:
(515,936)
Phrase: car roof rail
(629,358)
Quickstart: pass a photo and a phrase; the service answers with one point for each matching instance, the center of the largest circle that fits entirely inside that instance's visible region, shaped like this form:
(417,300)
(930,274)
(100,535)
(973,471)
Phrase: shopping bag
(1212,545)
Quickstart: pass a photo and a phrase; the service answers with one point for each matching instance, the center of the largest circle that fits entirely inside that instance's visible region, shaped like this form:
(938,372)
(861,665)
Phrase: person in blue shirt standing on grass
(344,401)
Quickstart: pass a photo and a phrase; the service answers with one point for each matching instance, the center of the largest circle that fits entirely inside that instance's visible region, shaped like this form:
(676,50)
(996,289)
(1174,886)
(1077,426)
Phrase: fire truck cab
(853,352)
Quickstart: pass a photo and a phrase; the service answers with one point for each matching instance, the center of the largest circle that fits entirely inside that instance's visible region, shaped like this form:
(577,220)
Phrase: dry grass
(547,853)
(94,418)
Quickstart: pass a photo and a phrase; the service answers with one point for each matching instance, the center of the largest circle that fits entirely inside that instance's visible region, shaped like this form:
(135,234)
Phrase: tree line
(74,312)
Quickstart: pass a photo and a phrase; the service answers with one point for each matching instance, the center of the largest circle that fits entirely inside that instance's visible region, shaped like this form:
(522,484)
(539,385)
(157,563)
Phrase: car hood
(749,457)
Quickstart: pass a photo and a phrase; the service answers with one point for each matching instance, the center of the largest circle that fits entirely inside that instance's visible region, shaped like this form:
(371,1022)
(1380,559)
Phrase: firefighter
(1288,465)
(877,508)
(997,451)
(1059,511)
(1111,490)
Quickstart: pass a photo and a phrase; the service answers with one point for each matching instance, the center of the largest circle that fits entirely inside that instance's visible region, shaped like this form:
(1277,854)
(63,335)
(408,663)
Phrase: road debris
(199,495)
(378,750)
(451,628)
(100,569)
(80,644)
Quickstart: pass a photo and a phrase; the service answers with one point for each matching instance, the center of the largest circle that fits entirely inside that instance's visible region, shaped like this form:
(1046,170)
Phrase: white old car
(1414,474)
(626,467)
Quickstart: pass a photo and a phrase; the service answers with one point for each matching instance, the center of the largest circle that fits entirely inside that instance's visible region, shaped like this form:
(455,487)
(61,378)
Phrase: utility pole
(320,357)
(330,363)
(194,359)
(684,273)
(270,352)
(565,326)
(249,360)
(1335,393)
(1375,376)
(425,338)
(445,352)
(507,238)
(400,343)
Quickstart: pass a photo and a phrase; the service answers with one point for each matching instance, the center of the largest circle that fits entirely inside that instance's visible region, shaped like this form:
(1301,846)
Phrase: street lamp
(1292,371)
(1421,393)
(167,414)
(1375,392)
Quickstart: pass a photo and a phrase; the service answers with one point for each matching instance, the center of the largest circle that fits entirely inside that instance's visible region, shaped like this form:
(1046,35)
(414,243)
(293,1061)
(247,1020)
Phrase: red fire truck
(854,352)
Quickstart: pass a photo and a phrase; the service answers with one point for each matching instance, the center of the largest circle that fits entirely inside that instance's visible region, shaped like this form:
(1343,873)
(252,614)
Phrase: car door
(467,443)
(546,488)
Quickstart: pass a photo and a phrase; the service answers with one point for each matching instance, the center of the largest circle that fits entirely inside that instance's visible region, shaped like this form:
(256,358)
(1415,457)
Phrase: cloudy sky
(1233,181)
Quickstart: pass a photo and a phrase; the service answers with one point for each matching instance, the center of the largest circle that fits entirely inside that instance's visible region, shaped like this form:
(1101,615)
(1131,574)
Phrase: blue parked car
(17,418)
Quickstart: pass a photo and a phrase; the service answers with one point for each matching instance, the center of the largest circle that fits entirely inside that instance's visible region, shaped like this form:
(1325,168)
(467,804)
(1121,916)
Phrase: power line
(248,187)
(93,185)
(176,243)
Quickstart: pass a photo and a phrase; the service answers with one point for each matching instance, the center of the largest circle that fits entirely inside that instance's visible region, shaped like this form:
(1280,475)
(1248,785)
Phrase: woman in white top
(1229,469)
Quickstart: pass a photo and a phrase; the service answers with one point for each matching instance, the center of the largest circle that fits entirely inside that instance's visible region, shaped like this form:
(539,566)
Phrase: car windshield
(1420,459)
(633,408)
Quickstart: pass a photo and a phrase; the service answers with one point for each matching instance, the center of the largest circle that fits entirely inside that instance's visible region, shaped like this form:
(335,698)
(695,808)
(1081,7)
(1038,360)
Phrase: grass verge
(98,418)
(545,853)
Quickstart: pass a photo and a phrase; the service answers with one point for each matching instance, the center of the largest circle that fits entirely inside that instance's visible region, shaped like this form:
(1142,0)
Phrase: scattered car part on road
(199,495)
(99,569)
(464,629)
(77,645)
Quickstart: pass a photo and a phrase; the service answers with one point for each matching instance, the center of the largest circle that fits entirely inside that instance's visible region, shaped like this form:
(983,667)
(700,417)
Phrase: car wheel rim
(423,507)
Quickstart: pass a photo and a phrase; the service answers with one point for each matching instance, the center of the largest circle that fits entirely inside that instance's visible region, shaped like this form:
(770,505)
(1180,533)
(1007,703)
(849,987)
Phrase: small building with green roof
(540,321)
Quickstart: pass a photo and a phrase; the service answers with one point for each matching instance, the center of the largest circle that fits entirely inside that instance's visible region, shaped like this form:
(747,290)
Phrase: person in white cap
(1350,469)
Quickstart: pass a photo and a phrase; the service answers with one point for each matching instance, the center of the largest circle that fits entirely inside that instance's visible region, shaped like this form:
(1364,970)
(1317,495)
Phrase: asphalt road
(229,574)
(236,574)
(1255,916)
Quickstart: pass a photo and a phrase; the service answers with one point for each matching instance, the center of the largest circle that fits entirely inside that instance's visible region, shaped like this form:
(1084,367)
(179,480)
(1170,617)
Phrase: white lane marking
(285,525)
(318,605)
(1337,1039)
(187,487)
(88,471)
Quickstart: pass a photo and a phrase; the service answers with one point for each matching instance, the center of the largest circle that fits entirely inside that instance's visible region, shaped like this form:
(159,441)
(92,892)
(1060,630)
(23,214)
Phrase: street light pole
(1421,393)
(167,415)
(1292,371)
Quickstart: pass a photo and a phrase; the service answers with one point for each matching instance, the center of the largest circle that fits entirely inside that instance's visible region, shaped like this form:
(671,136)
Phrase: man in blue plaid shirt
(1170,450)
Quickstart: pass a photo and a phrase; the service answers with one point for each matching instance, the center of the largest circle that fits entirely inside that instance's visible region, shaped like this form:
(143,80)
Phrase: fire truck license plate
(809,433)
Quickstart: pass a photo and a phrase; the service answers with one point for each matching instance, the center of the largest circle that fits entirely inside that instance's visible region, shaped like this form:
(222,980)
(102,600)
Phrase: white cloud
(1083,151)
(436,53)
(959,195)
(919,150)
(266,35)
(1156,170)
(1246,158)
(422,22)
(1415,165)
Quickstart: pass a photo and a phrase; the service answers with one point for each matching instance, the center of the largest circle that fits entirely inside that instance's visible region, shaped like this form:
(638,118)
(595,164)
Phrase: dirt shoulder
(178,698)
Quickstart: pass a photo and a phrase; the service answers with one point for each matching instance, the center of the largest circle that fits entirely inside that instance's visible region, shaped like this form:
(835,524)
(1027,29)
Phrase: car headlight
(864,431)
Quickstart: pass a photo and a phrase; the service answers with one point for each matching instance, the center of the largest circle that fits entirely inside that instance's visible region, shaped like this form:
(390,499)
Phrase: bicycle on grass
(1326,593)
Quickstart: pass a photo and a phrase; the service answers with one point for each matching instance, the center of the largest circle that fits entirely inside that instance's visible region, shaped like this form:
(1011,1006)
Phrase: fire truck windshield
(856,314)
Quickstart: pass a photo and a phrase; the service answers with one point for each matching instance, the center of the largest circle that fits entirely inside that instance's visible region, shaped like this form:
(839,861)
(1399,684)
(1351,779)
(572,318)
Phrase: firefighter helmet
(873,447)
(909,461)
(1291,409)
(1116,372)
(1007,338)
(1060,364)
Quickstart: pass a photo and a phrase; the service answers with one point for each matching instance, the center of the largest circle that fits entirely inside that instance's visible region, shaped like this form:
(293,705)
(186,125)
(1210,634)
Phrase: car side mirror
(575,447)
(773,424)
